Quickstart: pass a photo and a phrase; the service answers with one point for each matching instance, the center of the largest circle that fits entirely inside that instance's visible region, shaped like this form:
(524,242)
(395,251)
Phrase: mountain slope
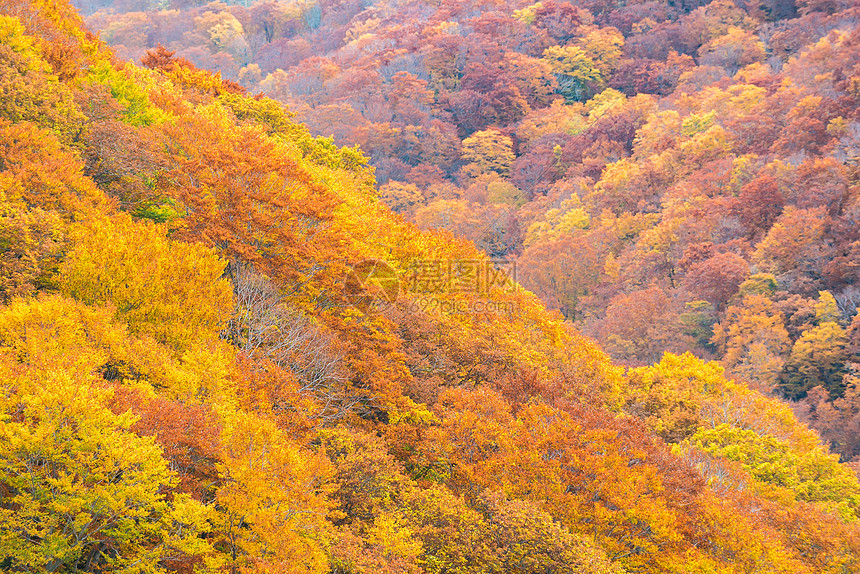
(650,165)
(203,367)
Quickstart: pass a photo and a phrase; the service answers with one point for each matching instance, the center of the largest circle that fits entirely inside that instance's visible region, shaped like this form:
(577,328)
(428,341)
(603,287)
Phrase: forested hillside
(675,176)
(221,351)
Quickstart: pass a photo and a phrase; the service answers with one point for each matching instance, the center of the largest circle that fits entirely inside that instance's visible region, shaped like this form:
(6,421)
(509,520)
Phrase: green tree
(813,475)
(574,70)
(817,359)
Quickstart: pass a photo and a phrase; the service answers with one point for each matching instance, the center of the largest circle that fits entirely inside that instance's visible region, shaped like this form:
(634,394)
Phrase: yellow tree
(603,46)
(30,244)
(527,540)
(818,357)
(753,339)
(272,503)
(30,91)
(812,475)
(402,198)
(794,242)
(488,151)
(682,393)
(77,489)
(170,290)
(574,70)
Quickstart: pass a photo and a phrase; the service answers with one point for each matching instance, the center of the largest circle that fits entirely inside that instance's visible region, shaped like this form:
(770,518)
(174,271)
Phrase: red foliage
(189,433)
(759,204)
(559,20)
(160,58)
(717,278)
(651,76)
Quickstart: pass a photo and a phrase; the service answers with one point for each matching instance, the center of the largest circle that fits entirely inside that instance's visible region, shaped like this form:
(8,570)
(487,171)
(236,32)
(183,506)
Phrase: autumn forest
(430,286)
